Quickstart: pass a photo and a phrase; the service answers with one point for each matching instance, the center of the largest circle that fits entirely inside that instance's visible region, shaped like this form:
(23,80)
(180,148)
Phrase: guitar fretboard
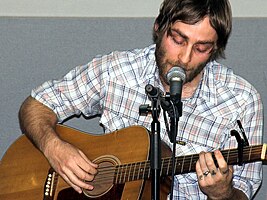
(184,164)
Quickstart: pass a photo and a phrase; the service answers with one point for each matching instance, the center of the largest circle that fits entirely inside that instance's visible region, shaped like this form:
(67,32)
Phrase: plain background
(111,8)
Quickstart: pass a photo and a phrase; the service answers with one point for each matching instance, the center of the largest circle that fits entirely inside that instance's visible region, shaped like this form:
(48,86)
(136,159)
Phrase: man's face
(187,46)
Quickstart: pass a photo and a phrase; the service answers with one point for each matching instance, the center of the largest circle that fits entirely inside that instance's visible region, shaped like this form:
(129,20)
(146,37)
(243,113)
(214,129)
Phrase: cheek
(199,60)
(167,44)
(171,52)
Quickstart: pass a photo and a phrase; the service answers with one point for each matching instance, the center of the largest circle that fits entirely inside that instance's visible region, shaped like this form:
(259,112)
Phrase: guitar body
(24,170)
(123,172)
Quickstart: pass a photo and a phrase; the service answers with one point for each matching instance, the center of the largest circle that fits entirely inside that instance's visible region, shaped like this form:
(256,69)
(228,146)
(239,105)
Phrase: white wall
(111,8)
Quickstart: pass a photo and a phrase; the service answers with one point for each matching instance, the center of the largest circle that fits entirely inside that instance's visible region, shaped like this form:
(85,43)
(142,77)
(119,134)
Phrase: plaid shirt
(114,87)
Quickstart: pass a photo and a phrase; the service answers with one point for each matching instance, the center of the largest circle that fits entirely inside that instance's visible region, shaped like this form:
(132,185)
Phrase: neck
(189,88)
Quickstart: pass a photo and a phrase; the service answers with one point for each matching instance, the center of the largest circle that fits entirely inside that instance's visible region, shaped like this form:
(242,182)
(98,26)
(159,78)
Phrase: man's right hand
(71,164)
(38,123)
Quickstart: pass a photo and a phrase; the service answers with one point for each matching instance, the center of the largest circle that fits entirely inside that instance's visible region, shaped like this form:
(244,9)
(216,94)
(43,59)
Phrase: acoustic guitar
(123,173)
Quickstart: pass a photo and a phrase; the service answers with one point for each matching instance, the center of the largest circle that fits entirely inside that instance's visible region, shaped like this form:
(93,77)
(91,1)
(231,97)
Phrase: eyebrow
(187,38)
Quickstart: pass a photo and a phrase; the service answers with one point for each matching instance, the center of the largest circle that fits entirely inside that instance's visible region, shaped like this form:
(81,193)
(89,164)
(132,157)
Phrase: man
(187,33)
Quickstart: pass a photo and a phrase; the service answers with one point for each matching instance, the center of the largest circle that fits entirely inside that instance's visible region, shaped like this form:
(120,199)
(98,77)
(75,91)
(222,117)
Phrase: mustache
(186,68)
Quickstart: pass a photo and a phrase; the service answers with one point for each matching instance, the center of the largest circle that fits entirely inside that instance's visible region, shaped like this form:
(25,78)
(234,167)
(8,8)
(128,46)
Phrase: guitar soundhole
(103,181)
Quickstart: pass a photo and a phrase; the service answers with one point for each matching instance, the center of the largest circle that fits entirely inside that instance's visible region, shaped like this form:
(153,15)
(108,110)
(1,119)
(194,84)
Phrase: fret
(169,162)
(182,168)
(178,165)
(144,171)
(134,171)
(121,174)
(237,156)
(129,172)
(138,177)
(165,166)
(124,173)
(190,163)
(116,175)
(227,159)
(148,175)
(161,168)
(250,149)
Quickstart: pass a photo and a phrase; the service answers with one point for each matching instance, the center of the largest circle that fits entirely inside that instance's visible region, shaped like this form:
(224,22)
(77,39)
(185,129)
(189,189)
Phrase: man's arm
(236,194)
(38,123)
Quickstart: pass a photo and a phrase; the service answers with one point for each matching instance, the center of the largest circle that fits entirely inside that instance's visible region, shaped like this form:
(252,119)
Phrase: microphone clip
(171,105)
(154,94)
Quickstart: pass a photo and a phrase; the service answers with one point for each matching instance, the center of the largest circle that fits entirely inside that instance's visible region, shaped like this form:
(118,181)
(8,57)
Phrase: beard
(164,64)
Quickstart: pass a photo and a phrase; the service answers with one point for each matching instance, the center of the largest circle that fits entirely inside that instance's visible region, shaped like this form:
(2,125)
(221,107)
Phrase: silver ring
(206,173)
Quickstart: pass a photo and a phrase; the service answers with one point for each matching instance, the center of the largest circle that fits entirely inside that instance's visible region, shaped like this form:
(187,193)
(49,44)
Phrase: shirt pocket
(204,128)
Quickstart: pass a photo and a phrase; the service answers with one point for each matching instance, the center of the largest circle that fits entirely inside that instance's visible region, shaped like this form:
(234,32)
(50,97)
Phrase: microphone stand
(174,110)
(173,105)
(155,145)
(155,160)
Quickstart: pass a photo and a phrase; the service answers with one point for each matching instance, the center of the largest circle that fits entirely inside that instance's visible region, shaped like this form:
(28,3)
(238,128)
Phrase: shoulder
(125,65)
(132,55)
(226,78)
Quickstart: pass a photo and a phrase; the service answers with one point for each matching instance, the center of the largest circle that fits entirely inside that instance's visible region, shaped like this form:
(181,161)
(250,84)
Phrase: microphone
(175,77)
(152,91)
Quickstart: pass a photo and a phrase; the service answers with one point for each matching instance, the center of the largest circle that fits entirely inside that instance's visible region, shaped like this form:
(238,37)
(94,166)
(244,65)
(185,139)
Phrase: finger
(199,172)
(210,163)
(90,167)
(224,171)
(223,167)
(228,171)
(86,169)
(75,181)
(80,171)
(75,187)
(207,164)
(202,163)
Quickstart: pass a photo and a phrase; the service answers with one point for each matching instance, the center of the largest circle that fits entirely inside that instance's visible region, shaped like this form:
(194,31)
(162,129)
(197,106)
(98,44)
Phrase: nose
(185,54)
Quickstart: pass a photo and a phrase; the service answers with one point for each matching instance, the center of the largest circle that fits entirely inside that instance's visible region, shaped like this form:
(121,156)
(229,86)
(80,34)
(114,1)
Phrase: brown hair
(193,11)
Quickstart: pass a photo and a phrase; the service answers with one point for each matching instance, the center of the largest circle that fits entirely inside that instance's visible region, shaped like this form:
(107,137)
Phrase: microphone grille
(175,72)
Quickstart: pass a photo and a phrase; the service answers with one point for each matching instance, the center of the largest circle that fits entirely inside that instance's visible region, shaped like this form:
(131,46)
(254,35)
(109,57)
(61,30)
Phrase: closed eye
(203,48)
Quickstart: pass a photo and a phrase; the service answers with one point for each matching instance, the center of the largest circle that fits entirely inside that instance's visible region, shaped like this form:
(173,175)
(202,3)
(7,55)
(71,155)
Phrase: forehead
(201,31)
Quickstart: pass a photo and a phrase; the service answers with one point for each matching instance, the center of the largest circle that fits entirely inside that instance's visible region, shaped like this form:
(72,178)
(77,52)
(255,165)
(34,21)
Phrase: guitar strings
(141,170)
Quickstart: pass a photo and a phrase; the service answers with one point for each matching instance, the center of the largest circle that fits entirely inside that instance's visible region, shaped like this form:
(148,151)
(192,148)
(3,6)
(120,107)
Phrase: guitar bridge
(50,183)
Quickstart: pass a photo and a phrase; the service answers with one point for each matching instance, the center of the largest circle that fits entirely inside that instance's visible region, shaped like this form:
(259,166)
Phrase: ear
(155,32)
(156,26)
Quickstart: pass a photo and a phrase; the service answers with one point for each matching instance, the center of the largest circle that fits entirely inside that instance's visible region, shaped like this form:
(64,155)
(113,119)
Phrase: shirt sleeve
(78,92)
(248,177)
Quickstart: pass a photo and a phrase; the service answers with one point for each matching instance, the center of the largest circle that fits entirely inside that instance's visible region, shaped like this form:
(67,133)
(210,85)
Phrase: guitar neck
(185,164)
